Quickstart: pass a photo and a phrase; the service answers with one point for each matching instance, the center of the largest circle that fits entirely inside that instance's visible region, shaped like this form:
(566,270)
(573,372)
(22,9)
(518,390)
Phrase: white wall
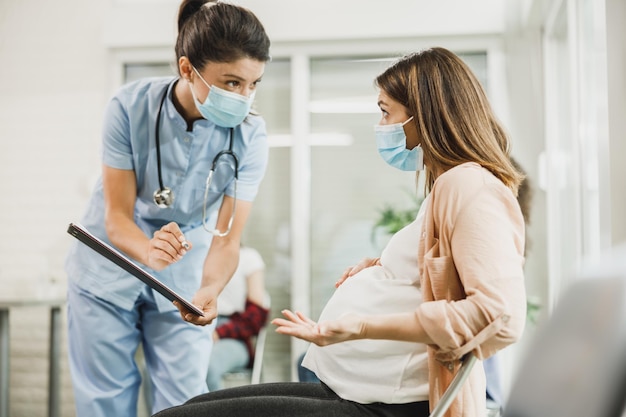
(289,20)
(51,98)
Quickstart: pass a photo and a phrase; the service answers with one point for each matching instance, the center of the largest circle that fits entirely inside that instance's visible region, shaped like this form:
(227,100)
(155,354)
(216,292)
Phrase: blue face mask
(224,108)
(391,143)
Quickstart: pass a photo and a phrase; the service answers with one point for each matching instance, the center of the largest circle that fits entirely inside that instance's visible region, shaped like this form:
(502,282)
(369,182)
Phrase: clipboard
(83,235)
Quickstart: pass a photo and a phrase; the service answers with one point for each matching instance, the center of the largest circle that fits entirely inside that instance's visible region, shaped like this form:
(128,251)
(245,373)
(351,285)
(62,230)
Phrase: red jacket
(244,326)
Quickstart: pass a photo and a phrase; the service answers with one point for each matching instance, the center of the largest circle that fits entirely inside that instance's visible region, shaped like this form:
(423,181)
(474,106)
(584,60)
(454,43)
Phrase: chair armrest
(453,389)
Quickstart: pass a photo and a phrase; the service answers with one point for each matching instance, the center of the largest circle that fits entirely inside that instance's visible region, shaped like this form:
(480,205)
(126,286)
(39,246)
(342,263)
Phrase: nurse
(182,159)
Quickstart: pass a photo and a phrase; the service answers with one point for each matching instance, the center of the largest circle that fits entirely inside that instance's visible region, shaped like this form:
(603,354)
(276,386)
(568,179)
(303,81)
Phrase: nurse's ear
(185,68)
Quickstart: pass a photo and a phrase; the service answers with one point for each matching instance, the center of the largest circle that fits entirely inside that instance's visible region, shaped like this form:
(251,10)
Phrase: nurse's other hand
(167,246)
(206,301)
(352,270)
(347,327)
(191,317)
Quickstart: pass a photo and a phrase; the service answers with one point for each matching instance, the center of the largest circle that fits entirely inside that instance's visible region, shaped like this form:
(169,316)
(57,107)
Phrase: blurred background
(555,71)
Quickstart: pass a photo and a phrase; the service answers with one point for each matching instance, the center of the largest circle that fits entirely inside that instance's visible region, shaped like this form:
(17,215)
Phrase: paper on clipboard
(83,235)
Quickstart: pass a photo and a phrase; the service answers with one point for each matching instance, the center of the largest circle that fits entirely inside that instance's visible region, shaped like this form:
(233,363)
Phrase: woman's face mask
(224,108)
(391,144)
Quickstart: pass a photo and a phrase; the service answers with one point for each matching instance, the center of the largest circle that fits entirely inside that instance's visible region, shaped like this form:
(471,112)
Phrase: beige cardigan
(471,257)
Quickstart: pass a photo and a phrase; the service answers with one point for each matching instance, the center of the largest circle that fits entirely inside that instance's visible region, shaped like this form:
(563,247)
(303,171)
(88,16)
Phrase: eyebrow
(227,75)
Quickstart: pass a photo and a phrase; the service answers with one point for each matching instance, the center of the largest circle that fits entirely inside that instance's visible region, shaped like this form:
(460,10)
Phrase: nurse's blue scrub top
(128,142)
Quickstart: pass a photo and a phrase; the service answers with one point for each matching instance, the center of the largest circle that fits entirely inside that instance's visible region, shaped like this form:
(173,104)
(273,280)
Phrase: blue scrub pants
(103,340)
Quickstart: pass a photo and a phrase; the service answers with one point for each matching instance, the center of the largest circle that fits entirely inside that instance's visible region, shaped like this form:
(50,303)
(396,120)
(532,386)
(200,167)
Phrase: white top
(367,371)
(233,297)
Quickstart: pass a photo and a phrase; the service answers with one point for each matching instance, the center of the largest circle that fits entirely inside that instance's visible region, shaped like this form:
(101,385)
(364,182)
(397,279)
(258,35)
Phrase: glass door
(350,184)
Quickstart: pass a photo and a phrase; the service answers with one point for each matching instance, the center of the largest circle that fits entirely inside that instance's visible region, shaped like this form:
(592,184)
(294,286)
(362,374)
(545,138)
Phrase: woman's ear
(412,138)
(185,68)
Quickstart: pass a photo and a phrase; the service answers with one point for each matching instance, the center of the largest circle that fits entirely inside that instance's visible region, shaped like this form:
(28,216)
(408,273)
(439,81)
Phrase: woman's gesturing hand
(347,327)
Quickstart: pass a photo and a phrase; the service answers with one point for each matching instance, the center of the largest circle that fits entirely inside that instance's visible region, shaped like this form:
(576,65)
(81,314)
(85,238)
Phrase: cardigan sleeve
(476,270)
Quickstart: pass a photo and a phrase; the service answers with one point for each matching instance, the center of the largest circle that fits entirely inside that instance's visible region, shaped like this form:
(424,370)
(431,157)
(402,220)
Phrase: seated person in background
(241,314)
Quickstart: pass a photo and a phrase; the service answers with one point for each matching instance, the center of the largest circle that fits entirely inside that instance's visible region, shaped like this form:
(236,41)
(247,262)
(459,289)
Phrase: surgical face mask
(224,108)
(391,143)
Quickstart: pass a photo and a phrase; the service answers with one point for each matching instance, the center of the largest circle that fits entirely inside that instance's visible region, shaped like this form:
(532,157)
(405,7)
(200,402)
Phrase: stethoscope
(164,196)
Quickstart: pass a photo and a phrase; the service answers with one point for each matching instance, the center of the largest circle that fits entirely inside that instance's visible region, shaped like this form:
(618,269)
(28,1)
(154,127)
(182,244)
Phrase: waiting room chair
(246,376)
(453,389)
(577,364)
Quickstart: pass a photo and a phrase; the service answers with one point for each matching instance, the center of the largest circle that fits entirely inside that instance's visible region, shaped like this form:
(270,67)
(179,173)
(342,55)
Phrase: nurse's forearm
(120,195)
(220,264)
(128,237)
(404,327)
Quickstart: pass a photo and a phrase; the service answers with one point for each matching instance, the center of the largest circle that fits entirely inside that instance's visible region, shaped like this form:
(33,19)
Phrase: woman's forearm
(404,327)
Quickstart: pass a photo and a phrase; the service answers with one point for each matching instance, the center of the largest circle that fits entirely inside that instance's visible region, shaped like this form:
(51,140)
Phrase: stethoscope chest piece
(163,197)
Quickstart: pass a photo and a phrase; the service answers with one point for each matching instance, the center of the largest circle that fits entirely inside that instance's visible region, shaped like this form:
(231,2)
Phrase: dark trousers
(290,399)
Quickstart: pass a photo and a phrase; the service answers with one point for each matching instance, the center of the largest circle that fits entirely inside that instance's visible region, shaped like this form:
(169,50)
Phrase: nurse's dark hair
(212,31)
(454,120)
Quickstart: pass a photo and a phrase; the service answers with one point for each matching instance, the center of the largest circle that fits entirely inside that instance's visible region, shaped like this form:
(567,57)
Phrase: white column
(300,196)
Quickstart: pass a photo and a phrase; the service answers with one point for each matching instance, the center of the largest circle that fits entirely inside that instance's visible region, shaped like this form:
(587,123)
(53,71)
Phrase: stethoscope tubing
(157,128)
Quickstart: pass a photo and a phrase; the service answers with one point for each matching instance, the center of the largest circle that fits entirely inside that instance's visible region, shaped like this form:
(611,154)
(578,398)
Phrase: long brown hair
(453,117)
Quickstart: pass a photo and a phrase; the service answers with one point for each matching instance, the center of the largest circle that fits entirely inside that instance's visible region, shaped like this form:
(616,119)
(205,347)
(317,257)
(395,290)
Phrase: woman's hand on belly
(353,270)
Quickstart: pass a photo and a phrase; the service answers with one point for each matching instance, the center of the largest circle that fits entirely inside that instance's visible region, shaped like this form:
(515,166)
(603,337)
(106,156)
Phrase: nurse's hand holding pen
(168,245)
